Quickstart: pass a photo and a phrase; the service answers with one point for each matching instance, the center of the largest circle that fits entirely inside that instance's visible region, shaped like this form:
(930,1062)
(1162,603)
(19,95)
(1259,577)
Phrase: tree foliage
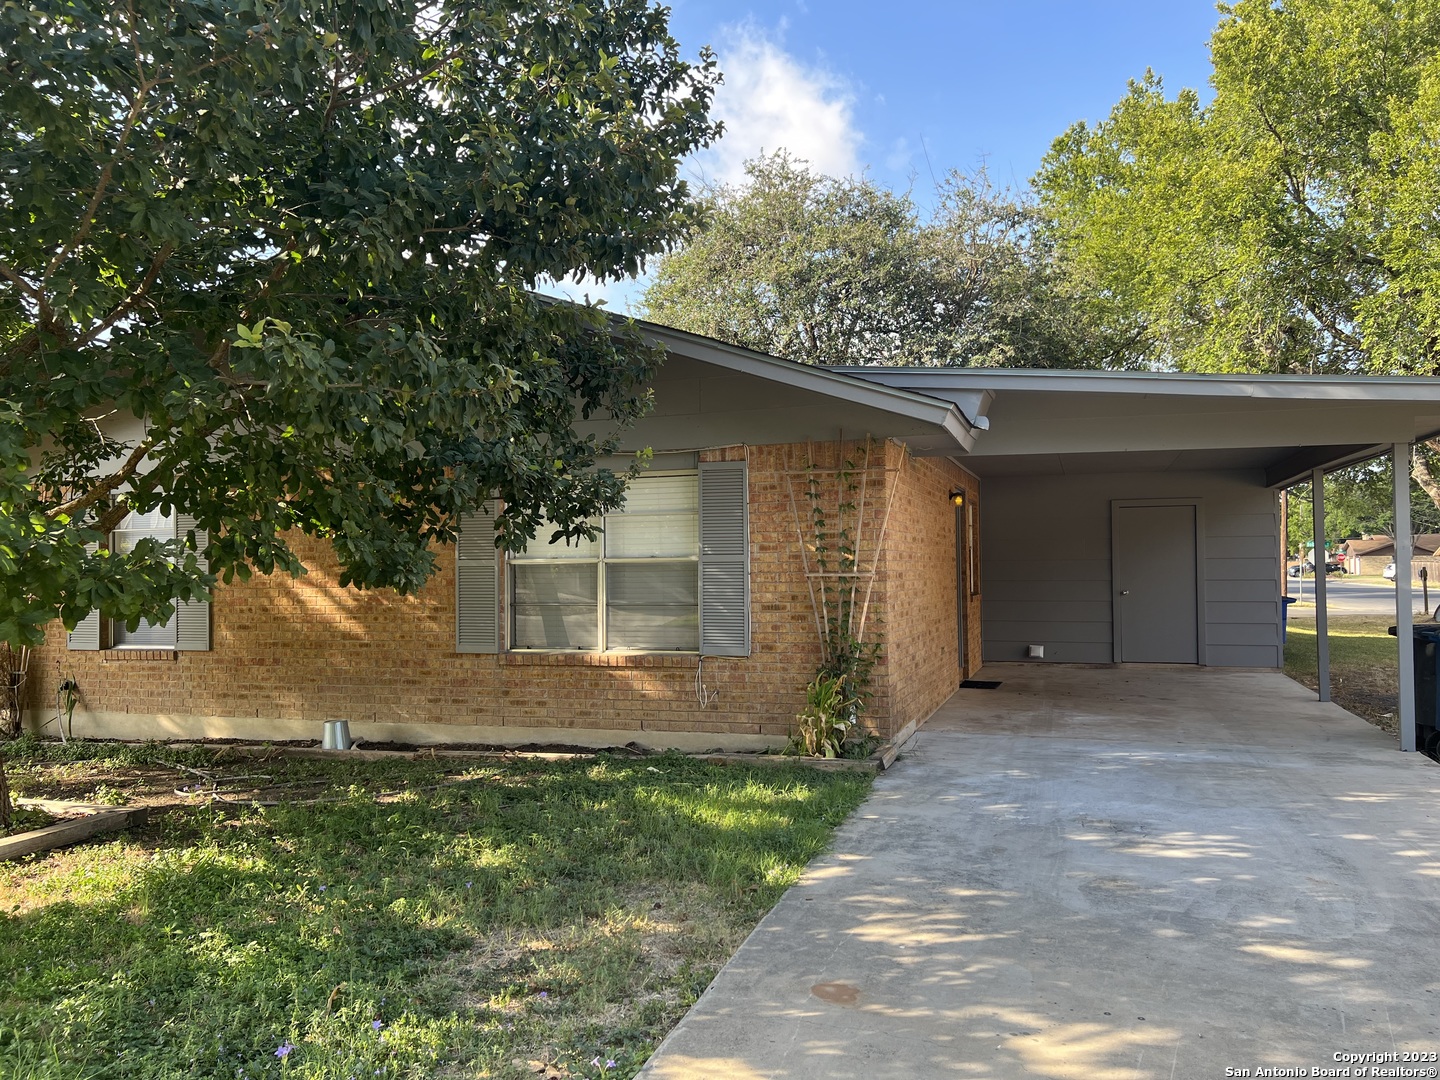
(295,237)
(843,271)
(1290,224)
(1359,501)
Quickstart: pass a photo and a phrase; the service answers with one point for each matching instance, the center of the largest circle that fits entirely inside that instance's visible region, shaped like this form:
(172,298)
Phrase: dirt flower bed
(304,918)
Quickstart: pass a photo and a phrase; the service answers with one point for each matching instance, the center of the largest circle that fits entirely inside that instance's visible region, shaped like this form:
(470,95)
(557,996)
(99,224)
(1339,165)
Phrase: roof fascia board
(1295,387)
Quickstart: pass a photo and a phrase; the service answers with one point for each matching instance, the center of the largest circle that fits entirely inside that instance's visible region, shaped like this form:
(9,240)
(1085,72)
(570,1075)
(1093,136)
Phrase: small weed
(107,796)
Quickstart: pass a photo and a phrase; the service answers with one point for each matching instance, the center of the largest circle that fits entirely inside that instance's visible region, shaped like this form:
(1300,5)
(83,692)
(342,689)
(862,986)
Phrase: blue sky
(878,87)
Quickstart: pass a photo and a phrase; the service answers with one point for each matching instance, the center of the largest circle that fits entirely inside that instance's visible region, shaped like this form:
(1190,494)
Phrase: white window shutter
(724,559)
(192,617)
(86,635)
(477,593)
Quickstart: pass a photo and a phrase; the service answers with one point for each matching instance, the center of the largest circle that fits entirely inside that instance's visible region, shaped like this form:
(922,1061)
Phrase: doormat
(979,684)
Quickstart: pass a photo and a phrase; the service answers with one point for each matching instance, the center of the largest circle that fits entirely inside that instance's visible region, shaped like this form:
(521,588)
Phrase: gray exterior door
(1156,576)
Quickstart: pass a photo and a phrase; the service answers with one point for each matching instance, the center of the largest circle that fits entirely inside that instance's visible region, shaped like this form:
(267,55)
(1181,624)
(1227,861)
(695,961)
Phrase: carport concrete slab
(1103,874)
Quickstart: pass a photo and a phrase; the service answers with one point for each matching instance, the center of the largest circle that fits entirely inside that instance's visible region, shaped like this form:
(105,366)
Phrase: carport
(1135,517)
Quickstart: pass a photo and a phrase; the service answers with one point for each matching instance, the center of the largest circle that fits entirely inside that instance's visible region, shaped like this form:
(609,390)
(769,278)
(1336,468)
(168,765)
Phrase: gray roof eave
(902,401)
(1162,383)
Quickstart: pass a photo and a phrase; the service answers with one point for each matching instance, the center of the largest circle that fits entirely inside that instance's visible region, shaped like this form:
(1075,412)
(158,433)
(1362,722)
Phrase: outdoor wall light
(957,497)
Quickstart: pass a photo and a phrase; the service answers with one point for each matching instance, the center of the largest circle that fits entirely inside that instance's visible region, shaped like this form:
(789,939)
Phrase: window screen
(636,587)
(132,530)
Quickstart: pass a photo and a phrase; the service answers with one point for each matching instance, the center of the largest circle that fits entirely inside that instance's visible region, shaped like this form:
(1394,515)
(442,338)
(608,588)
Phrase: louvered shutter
(86,635)
(477,594)
(724,559)
(192,617)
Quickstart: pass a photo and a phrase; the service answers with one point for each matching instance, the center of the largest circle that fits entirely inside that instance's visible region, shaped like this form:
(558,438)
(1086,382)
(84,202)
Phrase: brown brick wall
(306,649)
(920,576)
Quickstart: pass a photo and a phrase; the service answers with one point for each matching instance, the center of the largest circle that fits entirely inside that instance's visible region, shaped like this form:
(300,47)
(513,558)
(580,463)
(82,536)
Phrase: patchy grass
(1364,667)
(517,919)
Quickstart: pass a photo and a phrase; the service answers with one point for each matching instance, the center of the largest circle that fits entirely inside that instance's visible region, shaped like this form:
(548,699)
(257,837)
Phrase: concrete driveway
(1104,874)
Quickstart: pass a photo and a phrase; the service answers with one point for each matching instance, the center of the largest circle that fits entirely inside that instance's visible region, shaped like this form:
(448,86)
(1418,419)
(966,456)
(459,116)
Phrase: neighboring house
(690,622)
(1369,554)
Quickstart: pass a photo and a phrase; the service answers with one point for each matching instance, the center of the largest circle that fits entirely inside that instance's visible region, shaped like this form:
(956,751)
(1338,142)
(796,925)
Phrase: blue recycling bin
(1285,602)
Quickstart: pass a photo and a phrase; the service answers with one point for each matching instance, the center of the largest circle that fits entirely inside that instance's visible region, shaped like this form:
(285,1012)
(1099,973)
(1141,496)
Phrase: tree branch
(1420,470)
(136,295)
(106,486)
(19,282)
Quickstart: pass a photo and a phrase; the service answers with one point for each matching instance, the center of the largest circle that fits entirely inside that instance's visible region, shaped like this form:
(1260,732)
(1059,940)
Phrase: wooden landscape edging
(94,819)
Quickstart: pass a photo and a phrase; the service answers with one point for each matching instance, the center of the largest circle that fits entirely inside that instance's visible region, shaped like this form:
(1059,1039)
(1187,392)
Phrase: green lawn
(1364,666)
(507,920)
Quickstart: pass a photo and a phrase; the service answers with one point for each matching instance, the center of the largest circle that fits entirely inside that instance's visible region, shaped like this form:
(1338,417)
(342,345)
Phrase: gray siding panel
(1242,590)
(1267,656)
(1046,563)
(1240,547)
(1242,634)
(1050,590)
(1045,569)
(1244,525)
(1090,632)
(1257,612)
(1002,611)
(1257,570)
(1056,652)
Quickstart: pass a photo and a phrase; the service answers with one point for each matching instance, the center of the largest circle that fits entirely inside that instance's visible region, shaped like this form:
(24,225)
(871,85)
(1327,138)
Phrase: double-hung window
(159,527)
(187,630)
(634,588)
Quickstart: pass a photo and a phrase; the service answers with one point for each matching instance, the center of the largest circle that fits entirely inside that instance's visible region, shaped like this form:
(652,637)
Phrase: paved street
(1352,597)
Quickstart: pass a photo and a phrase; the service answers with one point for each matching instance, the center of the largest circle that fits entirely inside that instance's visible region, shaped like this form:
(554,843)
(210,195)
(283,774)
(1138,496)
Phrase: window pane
(147,635)
(555,607)
(541,548)
(662,495)
(132,530)
(652,606)
(648,536)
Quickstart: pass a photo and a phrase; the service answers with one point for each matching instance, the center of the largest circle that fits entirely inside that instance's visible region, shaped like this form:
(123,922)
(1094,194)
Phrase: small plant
(841,536)
(108,796)
(830,714)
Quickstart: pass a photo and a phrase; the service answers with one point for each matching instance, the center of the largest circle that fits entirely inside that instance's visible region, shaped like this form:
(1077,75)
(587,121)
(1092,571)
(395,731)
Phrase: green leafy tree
(1287,226)
(295,238)
(1359,501)
(843,271)
(1291,225)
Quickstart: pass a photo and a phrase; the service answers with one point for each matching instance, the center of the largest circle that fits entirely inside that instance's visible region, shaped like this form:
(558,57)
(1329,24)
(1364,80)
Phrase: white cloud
(900,157)
(771,101)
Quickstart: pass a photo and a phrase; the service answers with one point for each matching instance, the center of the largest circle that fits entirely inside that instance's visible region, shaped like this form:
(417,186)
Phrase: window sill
(608,660)
(110,656)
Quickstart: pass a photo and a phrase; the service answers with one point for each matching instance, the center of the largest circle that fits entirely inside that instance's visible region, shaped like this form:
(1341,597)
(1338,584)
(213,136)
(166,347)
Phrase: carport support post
(1404,598)
(1322,620)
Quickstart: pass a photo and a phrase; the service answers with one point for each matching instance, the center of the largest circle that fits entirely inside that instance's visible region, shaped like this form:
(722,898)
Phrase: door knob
(1124,592)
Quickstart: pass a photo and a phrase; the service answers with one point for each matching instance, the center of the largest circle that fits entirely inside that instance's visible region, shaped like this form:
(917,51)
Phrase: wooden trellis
(841,553)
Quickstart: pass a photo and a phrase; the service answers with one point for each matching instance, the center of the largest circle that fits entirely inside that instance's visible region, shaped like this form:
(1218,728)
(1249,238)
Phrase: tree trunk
(6,809)
(1420,469)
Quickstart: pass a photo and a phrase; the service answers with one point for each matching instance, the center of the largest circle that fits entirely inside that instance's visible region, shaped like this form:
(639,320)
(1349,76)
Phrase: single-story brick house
(1369,554)
(690,623)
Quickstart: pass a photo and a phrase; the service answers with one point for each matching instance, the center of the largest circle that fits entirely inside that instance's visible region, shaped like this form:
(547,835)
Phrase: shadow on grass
(225,935)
